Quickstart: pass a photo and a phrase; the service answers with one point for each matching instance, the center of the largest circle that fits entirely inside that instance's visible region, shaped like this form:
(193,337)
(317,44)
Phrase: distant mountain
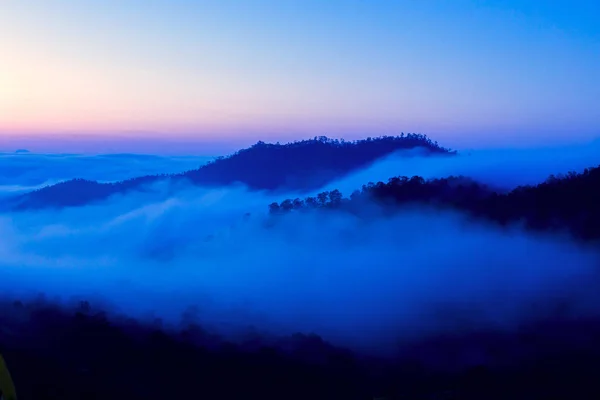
(22,151)
(303,165)
(569,203)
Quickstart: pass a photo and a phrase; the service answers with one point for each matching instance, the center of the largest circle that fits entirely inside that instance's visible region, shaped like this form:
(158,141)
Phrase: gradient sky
(463,72)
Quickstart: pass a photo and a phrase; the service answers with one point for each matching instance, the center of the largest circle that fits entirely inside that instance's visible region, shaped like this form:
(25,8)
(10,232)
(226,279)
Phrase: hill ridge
(299,165)
(569,202)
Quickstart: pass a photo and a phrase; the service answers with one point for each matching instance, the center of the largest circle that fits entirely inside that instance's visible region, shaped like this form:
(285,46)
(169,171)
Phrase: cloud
(359,283)
(500,168)
(30,171)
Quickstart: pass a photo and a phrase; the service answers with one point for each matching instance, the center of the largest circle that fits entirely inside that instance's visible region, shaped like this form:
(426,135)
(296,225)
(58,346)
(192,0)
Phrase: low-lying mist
(367,284)
(30,171)
(503,169)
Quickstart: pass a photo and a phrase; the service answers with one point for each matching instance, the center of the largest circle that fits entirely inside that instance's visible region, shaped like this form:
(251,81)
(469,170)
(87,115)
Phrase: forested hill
(306,164)
(303,165)
(569,203)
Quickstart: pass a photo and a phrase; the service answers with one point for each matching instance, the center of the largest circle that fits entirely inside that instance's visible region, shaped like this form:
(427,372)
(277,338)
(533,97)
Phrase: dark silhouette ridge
(305,164)
(570,203)
(302,165)
(59,353)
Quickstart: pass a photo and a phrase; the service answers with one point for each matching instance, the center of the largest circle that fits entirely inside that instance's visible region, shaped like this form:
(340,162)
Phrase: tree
(298,204)
(311,202)
(322,197)
(335,197)
(394,181)
(274,208)
(287,205)
(417,180)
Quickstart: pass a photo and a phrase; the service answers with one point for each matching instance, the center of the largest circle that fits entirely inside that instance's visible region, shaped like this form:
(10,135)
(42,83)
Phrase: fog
(357,283)
(367,284)
(502,168)
(28,171)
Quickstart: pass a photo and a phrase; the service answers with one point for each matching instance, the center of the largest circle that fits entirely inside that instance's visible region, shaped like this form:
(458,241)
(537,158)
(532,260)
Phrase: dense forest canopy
(81,353)
(301,165)
(304,164)
(570,202)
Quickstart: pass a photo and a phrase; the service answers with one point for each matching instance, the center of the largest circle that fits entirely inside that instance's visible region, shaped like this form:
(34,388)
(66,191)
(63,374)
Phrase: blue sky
(464,72)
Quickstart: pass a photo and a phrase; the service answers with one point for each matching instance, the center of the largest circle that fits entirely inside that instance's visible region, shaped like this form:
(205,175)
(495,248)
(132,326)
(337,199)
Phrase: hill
(58,353)
(302,165)
(564,203)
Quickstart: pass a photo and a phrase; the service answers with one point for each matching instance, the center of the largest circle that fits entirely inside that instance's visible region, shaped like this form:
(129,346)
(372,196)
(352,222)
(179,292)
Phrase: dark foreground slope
(80,354)
(303,165)
(568,203)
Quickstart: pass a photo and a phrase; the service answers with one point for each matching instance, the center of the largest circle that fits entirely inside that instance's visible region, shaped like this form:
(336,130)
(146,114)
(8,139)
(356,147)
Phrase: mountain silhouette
(301,165)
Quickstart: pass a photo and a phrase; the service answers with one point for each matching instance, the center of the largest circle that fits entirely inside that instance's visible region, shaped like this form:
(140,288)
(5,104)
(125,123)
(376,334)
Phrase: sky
(225,74)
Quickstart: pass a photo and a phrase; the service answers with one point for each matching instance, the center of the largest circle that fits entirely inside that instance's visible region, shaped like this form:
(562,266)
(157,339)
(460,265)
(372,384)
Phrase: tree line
(300,165)
(566,202)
